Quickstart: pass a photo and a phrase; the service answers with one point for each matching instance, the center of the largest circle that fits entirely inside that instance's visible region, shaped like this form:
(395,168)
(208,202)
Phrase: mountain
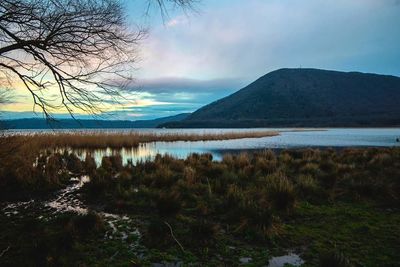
(305,98)
(87,124)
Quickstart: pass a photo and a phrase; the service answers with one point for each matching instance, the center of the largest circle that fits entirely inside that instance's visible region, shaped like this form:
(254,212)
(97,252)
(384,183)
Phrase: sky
(194,57)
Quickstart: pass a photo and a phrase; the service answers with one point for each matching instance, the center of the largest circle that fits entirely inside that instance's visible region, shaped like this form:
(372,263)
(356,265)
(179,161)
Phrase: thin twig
(209,186)
(172,234)
(114,255)
(4,251)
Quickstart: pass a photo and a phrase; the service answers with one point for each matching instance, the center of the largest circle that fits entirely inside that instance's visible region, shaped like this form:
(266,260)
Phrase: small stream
(67,200)
(119,227)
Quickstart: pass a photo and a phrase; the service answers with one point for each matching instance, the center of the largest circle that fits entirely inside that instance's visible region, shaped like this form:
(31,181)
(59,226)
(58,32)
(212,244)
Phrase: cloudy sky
(193,58)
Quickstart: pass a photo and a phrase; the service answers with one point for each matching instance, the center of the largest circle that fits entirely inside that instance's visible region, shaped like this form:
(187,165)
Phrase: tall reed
(97,140)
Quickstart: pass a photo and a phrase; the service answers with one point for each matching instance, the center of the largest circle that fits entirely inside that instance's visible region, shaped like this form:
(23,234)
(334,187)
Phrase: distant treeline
(86,124)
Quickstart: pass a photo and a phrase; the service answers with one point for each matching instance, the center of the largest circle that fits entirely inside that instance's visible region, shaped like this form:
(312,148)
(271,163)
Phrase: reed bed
(95,140)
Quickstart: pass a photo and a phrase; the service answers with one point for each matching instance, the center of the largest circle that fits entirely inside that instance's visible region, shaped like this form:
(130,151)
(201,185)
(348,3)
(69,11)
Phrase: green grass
(365,234)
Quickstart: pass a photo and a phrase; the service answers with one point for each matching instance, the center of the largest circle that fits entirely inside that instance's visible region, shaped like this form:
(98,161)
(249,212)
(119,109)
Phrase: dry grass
(94,140)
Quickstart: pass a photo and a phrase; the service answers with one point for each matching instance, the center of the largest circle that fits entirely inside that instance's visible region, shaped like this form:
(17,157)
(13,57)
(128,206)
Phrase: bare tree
(163,5)
(4,147)
(5,98)
(82,49)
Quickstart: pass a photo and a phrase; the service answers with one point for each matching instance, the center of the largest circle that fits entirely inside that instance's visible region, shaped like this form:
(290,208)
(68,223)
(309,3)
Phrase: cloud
(247,39)
(177,21)
(230,43)
(184,90)
(179,85)
(169,96)
(154,98)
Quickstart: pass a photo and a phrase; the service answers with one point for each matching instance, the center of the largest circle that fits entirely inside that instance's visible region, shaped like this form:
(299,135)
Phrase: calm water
(288,138)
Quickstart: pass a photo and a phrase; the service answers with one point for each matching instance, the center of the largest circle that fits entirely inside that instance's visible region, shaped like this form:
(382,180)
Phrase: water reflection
(144,151)
(134,154)
(287,139)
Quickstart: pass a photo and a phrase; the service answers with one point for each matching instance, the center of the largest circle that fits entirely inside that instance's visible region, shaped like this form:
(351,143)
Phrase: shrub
(280,191)
(215,170)
(329,180)
(265,166)
(21,175)
(329,166)
(250,217)
(55,174)
(106,164)
(99,182)
(164,159)
(203,230)
(228,161)
(192,159)
(380,160)
(53,166)
(177,165)
(162,177)
(311,155)
(74,164)
(268,155)
(157,233)
(258,217)
(333,258)
(307,186)
(125,178)
(241,161)
(310,168)
(84,225)
(285,158)
(204,207)
(234,196)
(116,162)
(190,175)
(168,204)
(206,159)
(90,164)
(358,186)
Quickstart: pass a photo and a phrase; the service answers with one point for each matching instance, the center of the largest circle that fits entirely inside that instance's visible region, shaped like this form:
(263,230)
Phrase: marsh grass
(56,241)
(28,171)
(247,196)
(96,140)
(290,197)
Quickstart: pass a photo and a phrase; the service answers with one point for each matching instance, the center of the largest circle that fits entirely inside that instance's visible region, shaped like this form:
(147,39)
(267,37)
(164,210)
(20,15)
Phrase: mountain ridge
(305,98)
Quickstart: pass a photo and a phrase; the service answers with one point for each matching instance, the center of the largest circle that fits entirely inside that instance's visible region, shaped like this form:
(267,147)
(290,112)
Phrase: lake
(288,138)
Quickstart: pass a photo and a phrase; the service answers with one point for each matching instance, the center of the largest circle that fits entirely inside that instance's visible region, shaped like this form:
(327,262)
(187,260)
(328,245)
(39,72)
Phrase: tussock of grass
(281,191)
